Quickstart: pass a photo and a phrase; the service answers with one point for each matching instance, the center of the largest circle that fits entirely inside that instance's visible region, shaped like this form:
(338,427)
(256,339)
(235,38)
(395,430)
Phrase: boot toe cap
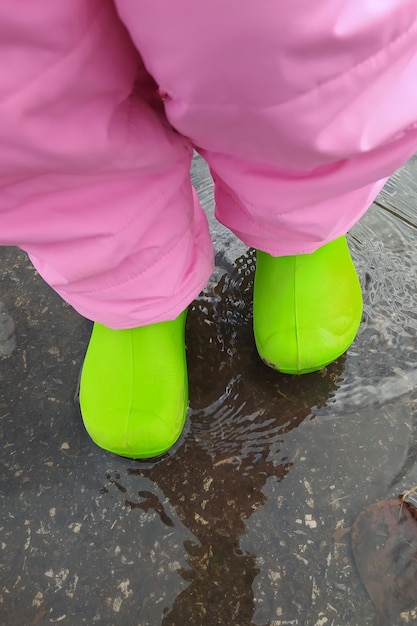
(141,435)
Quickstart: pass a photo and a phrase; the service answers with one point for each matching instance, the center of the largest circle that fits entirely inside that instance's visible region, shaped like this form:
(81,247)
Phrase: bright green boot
(134,388)
(306,308)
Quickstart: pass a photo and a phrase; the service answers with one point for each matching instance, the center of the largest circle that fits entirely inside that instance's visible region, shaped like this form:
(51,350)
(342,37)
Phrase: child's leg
(95,186)
(302,110)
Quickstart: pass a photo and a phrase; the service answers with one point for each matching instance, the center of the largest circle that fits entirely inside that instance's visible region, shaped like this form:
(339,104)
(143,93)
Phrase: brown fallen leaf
(384,544)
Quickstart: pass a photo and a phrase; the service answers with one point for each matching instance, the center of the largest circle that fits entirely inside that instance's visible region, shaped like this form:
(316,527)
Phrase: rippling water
(384,367)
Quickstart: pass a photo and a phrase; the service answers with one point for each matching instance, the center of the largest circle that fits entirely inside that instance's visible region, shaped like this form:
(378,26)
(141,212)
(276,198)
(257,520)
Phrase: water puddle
(247,521)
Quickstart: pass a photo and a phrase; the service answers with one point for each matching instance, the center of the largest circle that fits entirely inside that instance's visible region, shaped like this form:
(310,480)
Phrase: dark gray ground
(247,521)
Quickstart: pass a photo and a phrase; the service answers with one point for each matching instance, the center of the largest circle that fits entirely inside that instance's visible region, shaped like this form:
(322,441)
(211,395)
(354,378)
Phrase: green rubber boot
(134,388)
(306,308)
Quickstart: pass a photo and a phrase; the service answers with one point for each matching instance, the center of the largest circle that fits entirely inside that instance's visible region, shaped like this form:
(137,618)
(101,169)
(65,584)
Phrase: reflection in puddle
(240,413)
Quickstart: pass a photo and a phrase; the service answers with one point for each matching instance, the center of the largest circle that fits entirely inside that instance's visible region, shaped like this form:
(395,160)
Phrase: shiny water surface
(247,521)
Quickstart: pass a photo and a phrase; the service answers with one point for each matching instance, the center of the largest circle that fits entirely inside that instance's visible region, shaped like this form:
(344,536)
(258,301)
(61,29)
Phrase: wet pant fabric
(302,110)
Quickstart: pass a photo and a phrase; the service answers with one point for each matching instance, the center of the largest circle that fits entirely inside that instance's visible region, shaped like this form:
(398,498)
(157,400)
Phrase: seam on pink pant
(189,297)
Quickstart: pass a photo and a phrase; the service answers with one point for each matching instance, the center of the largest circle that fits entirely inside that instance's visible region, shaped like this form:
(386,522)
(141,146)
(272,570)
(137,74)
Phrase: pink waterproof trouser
(302,108)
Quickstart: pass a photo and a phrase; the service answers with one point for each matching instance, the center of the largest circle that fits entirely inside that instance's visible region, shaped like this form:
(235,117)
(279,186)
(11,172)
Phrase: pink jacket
(302,109)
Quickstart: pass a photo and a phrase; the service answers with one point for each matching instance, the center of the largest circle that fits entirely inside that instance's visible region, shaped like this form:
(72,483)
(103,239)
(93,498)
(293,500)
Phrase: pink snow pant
(302,108)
